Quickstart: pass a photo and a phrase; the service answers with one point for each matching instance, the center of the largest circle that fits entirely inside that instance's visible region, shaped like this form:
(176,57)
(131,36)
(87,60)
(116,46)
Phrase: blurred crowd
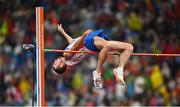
(152,26)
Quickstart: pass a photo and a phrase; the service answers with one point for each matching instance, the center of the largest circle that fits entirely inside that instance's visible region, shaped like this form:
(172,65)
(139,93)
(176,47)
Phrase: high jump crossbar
(114,53)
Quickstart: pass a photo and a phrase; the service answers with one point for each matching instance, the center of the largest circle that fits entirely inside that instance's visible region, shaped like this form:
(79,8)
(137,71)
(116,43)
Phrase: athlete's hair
(60,70)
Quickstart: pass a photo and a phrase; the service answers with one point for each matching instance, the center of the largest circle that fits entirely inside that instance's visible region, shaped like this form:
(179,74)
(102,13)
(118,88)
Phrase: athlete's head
(59,65)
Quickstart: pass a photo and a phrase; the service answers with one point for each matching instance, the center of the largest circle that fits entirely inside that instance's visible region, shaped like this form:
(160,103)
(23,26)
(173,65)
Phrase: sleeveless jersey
(77,57)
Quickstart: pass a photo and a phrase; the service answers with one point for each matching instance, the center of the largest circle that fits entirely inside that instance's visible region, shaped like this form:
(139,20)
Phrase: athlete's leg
(102,45)
(106,46)
(128,49)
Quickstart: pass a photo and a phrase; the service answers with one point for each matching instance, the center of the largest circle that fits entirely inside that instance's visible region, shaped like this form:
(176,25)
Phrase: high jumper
(93,41)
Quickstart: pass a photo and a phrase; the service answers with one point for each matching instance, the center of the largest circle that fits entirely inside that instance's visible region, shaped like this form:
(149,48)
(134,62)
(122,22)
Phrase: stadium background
(152,26)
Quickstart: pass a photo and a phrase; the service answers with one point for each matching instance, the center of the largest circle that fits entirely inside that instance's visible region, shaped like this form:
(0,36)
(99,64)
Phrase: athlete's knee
(130,47)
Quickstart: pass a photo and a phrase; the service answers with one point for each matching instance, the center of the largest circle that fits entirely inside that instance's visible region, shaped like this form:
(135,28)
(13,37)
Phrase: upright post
(40,82)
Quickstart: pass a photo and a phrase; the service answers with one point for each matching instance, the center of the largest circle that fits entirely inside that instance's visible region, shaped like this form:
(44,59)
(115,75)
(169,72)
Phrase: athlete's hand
(87,32)
(59,27)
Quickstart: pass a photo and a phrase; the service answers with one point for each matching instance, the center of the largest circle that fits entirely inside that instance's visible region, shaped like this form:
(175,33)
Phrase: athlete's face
(59,63)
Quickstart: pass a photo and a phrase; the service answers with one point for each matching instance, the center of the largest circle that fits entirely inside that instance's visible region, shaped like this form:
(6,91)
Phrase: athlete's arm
(61,30)
(80,40)
(77,44)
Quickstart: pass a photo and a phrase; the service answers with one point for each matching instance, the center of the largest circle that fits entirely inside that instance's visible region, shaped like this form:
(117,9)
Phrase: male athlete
(93,41)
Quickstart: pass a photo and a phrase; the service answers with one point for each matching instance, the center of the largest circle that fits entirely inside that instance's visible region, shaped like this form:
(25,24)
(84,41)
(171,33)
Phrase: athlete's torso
(76,58)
